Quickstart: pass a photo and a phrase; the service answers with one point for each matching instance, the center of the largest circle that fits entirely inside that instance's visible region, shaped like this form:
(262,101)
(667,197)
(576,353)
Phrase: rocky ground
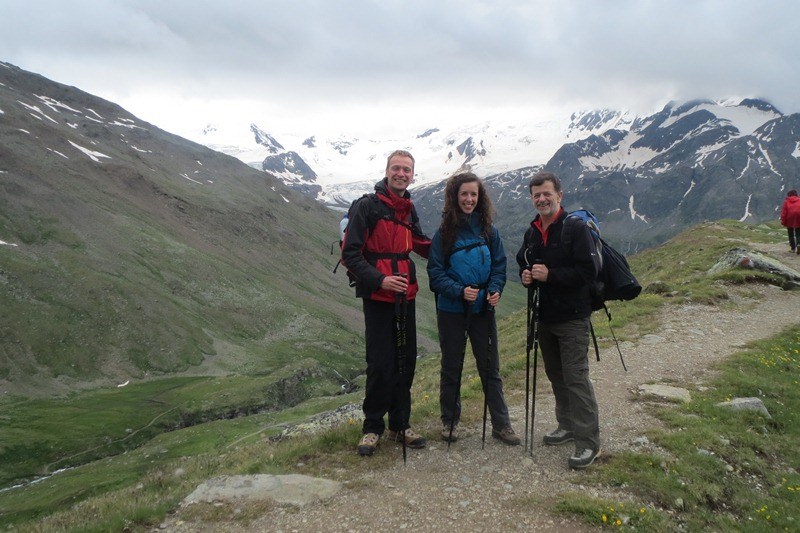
(504,488)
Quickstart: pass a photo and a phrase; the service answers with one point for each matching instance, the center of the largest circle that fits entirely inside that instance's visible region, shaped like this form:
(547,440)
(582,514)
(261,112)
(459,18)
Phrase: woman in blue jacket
(467,271)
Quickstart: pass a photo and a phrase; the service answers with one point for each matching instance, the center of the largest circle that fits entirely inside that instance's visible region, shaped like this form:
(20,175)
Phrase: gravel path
(502,488)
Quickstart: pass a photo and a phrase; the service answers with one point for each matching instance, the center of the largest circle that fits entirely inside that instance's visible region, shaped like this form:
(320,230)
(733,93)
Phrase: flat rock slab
(747,404)
(292,489)
(666,392)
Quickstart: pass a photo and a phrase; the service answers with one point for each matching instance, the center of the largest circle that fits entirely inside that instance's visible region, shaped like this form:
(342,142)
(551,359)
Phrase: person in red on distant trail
(383,230)
(790,217)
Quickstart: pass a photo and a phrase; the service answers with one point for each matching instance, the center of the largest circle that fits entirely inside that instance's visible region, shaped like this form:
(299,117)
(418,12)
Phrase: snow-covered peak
(746,116)
(341,165)
(266,140)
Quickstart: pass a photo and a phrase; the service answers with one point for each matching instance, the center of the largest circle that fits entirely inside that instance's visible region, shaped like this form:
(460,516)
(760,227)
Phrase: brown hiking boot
(368,443)
(446,435)
(413,439)
(506,435)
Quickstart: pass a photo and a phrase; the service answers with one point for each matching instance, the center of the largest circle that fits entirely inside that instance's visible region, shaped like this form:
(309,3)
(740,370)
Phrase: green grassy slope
(208,426)
(151,256)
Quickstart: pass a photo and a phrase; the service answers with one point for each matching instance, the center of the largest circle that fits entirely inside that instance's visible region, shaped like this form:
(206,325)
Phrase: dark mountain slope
(131,252)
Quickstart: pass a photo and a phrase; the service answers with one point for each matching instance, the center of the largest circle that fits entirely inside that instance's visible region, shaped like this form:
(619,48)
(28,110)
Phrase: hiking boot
(368,443)
(559,436)
(413,439)
(507,436)
(583,457)
(446,435)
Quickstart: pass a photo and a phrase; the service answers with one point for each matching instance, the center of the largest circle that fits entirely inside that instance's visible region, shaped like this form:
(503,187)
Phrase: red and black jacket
(382,232)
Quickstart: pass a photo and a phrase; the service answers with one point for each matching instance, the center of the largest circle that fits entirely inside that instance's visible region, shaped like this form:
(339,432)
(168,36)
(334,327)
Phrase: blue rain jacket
(483,265)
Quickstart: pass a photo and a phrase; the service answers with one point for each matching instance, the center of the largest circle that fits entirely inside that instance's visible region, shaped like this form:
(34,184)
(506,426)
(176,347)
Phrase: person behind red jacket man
(790,217)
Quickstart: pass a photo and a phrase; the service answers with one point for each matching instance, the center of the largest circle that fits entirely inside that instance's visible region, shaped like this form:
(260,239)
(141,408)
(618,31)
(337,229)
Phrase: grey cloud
(622,53)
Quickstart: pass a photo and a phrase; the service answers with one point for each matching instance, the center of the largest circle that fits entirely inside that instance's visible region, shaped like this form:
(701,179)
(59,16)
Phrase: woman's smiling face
(468,197)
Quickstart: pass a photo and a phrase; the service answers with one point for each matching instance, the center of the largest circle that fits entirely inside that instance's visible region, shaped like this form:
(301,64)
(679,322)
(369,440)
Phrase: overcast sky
(386,66)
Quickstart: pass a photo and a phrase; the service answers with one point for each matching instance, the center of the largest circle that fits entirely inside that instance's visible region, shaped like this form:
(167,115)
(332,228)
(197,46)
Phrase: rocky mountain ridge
(686,164)
(646,177)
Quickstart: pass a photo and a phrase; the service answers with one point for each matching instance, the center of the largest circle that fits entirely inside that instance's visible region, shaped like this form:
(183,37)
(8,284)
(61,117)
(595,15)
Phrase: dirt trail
(502,488)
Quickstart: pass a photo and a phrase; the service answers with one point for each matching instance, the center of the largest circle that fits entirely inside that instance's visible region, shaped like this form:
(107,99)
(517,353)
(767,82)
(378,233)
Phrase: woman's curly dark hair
(452,217)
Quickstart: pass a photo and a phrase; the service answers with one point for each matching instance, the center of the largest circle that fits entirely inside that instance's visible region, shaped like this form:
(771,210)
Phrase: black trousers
(388,390)
(452,329)
(794,237)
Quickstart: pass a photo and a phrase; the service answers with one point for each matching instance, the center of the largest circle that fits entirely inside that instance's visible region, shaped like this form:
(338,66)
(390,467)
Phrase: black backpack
(614,281)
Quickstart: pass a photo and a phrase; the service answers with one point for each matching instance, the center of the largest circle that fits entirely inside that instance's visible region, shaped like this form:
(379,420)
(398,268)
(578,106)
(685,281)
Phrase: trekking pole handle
(471,287)
(489,301)
(394,285)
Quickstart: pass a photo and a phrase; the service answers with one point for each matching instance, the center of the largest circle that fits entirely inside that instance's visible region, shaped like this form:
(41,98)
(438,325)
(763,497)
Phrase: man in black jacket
(563,278)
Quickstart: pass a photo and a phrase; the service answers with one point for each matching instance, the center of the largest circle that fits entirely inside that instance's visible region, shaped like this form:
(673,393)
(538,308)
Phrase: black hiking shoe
(583,457)
(559,436)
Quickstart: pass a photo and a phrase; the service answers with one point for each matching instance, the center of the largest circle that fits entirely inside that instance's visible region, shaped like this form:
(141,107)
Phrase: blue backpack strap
(487,241)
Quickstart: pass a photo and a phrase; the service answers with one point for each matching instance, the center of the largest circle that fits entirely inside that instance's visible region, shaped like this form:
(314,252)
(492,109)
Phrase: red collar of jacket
(537,223)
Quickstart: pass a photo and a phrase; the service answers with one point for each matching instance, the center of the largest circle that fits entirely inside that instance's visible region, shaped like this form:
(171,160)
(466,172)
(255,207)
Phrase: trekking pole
(528,346)
(400,309)
(486,375)
(616,342)
(535,360)
(532,341)
(467,324)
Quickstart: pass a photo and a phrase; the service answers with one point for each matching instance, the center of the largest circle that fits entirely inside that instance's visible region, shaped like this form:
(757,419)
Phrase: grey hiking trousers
(565,347)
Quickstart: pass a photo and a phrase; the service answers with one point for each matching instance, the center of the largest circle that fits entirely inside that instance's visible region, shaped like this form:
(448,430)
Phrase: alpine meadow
(169,316)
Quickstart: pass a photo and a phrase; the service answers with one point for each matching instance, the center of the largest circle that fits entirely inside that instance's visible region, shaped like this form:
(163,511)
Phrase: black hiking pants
(451,341)
(387,389)
(794,238)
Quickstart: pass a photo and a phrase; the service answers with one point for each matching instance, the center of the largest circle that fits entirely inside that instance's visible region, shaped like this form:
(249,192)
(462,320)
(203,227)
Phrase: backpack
(378,211)
(487,241)
(614,281)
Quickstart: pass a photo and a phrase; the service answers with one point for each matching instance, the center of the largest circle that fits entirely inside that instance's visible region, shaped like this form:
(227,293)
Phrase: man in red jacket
(383,230)
(790,217)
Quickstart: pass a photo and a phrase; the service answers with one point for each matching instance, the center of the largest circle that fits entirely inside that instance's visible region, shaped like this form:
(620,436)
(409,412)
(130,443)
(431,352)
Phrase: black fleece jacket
(566,293)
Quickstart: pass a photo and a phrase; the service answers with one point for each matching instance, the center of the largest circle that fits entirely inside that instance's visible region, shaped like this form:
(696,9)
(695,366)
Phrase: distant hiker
(790,217)
(382,231)
(564,277)
(467,271)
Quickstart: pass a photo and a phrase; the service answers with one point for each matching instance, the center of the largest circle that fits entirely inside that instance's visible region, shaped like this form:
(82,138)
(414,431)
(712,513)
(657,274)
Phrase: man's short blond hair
(401,153)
